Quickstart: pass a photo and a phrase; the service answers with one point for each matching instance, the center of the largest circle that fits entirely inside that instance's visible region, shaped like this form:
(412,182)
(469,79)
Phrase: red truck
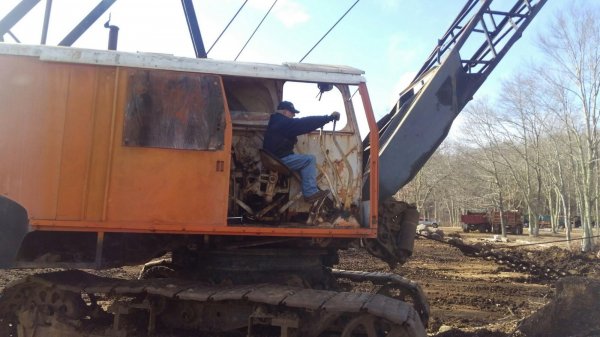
(489,221)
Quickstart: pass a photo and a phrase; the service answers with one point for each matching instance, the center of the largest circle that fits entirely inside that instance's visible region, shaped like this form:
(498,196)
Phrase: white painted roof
(287,71)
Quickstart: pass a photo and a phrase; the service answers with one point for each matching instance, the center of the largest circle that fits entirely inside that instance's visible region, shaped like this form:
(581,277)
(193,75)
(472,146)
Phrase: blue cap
(285,105)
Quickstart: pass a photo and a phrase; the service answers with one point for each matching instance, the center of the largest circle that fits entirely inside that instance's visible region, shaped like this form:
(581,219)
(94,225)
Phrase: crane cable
(13,36)
(330,29)
(224,29)
(260,23)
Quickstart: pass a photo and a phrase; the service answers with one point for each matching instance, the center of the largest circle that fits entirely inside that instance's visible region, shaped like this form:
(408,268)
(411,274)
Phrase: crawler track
(75,303)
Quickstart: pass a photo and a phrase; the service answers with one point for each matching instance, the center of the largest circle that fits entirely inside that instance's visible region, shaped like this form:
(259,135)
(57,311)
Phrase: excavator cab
(262,189)
(131,152)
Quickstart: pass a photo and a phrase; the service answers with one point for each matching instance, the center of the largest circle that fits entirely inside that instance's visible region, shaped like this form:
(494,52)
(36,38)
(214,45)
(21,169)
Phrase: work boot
(317,196)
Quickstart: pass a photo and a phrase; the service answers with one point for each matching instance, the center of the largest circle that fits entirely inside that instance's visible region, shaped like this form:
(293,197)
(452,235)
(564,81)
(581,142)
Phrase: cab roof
(288,71)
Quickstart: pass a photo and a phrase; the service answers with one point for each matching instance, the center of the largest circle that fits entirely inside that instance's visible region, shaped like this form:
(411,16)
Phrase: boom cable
(260,23)
(14,37)
(330,29)
(224,29)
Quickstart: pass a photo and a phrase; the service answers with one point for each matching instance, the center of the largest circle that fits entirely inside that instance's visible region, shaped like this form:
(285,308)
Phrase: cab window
(309,100)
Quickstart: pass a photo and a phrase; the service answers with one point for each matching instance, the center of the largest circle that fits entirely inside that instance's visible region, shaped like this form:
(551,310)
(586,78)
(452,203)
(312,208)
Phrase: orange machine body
(80,155)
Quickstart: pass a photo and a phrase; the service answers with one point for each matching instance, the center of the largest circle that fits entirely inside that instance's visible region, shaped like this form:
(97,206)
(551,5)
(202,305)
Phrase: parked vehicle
(489,221)
(475,221)
(544,221)
(428,222)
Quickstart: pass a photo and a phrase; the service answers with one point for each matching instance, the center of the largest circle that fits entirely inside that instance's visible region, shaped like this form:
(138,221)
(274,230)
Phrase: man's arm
(300,126)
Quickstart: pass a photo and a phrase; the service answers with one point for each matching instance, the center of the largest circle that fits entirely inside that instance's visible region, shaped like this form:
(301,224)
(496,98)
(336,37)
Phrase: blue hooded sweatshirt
(282,132)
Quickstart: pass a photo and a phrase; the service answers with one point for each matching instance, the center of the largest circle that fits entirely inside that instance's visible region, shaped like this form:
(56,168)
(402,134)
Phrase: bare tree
(522,117)
(423,189)
(573,47)
(482,131)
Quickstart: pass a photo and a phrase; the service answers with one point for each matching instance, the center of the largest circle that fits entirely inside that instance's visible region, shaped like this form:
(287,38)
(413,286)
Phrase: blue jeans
(306,164)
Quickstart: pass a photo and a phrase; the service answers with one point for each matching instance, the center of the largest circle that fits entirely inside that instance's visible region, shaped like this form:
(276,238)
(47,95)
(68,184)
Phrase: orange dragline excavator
(113,159)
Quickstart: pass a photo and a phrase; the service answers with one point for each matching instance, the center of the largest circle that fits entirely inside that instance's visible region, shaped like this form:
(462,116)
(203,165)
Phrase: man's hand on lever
(335,116)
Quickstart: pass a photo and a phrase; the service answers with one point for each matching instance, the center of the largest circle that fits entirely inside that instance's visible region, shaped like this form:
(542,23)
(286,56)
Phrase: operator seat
(272,163)
(277,171)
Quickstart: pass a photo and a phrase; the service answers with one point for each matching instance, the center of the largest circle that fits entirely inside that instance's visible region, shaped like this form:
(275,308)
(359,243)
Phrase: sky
(388,39)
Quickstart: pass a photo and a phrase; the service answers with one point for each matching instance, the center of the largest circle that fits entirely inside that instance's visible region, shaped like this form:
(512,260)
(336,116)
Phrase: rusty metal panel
(174,110)
(339,164)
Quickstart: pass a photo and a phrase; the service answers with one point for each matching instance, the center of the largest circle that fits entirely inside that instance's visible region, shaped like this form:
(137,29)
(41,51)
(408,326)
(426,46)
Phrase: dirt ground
(474,297)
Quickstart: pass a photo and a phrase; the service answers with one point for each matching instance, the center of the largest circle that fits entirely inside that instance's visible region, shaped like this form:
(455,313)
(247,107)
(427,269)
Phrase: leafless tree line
(535,148)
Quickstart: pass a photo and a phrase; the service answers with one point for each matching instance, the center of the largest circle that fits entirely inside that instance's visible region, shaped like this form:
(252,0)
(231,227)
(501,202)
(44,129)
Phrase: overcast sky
(388,39)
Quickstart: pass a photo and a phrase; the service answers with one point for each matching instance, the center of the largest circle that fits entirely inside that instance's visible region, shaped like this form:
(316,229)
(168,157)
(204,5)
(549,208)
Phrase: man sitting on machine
(281,136)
